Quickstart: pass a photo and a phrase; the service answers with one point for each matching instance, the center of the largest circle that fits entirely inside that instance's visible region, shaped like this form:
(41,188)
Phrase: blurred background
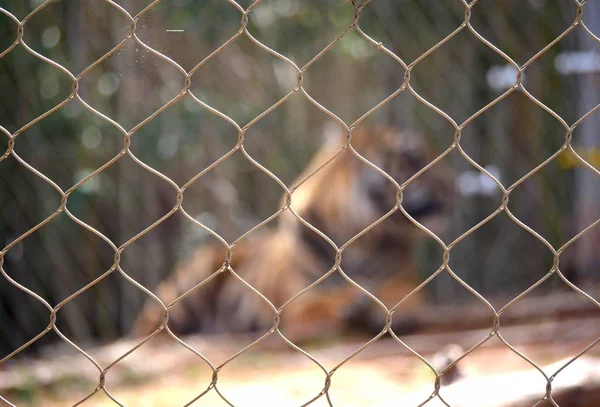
(511,138)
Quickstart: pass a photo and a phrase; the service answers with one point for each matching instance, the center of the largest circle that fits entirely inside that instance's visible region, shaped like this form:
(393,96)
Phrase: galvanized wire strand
(8,403)
(347,147)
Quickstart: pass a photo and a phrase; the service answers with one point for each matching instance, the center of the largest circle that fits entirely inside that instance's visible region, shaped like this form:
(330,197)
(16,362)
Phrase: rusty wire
(186,78)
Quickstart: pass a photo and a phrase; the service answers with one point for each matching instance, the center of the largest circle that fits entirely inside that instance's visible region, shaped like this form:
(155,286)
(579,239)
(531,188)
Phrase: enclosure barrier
(179,190)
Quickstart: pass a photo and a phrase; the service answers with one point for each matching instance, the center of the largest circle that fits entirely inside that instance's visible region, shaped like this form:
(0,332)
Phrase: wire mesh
(186,94)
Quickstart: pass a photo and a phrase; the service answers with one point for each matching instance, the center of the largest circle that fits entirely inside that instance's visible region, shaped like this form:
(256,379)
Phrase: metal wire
(179,190)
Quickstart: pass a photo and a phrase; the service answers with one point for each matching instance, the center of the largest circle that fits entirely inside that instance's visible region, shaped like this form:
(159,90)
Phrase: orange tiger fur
(341,199)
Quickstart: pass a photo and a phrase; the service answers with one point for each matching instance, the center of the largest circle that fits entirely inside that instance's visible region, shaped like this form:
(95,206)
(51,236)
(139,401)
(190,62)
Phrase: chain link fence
(136,106)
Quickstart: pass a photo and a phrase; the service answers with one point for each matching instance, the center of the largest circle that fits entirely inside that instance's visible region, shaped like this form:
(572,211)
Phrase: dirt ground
(166,374)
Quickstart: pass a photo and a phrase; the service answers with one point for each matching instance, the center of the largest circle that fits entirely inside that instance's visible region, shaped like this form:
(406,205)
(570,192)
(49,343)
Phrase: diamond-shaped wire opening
(508,381)
(382,75)
(155,257)
(347,358)
(320,312)
(414,30)
(568,312)
(519,17)
(99,200)
(565,64)
(513,150)
(474,61)
(537,200)
(288,153)
(49,87)
(187,134)
(305,200)
(225,193)
(76,46)
(535,257)
(130,76)
(87,267)
(189,293)
(315,24)
(132,374)
(99,303)
(242,378)
(258,80)
(84,144)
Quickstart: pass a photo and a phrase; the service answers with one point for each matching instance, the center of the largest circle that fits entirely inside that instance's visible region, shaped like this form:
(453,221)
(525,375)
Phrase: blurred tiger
(341,199)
